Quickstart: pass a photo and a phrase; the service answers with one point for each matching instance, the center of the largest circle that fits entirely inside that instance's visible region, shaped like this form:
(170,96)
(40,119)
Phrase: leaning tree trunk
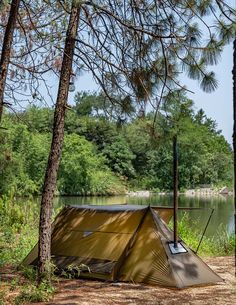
(6,50)
(44,252)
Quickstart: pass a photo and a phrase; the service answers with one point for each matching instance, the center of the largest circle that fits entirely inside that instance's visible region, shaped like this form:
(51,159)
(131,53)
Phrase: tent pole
(212,211)
(175,189)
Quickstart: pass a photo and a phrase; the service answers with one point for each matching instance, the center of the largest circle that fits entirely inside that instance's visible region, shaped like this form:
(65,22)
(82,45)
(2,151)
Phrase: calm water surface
(222,219)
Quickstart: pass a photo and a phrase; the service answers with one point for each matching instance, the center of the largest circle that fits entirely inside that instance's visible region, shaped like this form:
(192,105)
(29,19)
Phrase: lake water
(222,219)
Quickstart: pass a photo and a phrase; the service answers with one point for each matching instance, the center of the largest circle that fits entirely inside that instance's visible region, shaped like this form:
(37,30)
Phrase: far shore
(201,192)
(208,191)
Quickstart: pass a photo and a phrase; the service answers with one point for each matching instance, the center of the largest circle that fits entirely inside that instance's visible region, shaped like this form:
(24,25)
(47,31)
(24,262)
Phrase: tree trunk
(6,50)
(175,190)
(234,132)
(44,253)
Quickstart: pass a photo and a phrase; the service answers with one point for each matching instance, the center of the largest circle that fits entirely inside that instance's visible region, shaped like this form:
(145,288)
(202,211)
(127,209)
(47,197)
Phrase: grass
(33,293)
(18,230)
(19,293)
(221,244)
(18,234)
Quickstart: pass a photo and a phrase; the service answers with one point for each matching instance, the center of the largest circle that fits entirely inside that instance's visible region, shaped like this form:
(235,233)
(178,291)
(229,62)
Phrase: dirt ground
(78,292)
(83,292)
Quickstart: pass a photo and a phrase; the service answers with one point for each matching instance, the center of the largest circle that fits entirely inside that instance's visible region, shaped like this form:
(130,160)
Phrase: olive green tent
(124,243)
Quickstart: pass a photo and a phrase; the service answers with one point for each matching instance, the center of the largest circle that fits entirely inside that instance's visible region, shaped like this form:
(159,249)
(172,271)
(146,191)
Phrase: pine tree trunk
(44,254)
(234,131)
(6,50)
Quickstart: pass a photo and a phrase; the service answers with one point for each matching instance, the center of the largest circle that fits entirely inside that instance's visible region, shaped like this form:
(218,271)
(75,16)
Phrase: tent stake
(212,211)
(175,189)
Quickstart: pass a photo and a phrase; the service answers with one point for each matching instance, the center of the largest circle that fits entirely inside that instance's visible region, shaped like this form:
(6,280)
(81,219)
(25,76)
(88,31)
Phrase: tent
(124,243)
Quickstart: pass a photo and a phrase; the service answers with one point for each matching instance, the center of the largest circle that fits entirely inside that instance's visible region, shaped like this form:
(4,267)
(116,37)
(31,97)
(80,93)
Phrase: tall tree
(56,145)
(234,130)
(35,50)
(120,43)
(6,50)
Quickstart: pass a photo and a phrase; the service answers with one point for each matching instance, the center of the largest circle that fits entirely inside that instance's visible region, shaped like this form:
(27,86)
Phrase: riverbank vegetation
(108,151)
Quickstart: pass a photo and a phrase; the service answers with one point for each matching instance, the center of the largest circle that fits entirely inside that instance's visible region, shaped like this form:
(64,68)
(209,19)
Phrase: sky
(217,105)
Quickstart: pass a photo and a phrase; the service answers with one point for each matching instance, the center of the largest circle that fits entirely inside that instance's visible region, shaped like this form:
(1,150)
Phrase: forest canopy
(105,154)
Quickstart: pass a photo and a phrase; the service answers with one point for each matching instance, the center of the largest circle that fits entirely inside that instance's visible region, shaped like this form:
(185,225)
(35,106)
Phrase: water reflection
(223,206)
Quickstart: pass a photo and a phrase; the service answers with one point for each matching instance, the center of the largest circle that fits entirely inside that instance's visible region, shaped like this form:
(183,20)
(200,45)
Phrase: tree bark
(175,190)
(44,252)
(6,50)
(234,132)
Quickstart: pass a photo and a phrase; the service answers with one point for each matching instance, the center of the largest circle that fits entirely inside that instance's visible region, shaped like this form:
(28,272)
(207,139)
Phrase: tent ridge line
(157,218)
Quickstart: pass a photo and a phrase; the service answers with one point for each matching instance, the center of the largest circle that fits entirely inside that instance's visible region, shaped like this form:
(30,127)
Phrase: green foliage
(116,108)
(23,159)
(83,170)
(29,273)
(222,243)
(119,157)
(24,156)
(159,169)
(204,155)
(106,183)
(33,293)
(99,158)
(99,131)
(140,142)
(37,119)
(73,271)
(16,221)
(2,297)
(88,104)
